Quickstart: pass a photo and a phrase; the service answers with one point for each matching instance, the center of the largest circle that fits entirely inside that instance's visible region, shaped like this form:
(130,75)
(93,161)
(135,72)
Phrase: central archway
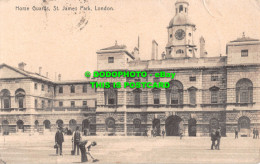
(85,126)
(172,125)
(192,127)
(156,127)
(110,126)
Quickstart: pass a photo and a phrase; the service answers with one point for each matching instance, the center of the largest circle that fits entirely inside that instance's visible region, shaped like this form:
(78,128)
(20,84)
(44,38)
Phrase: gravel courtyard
(39,149)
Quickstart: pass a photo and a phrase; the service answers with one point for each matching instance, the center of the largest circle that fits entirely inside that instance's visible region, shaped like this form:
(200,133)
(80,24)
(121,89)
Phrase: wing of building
(206,93)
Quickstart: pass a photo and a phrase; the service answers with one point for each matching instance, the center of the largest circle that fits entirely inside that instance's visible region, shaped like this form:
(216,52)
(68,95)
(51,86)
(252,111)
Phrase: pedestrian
(254,133)
(213,139)
(76,138)
(218,137)
(181,133)
(146,133)
(236,133)
(85,147)
(163,133)
(59,139)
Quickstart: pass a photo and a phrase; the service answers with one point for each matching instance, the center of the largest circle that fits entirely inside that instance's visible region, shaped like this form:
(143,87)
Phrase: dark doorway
(5,125)
(172,125)
(192,127)
(85,126)
(156,127)
(110,126)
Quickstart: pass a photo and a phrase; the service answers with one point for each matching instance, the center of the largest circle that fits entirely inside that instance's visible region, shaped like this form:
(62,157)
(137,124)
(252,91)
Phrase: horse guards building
(206,92)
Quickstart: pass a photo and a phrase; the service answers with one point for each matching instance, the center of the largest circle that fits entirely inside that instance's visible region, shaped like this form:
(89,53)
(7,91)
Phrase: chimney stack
(40,70)
(21,66)
(59,77)
(154,50)
(203,52)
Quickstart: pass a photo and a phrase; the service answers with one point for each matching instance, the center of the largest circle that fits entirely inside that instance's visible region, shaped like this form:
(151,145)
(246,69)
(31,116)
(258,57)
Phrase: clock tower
(180,33)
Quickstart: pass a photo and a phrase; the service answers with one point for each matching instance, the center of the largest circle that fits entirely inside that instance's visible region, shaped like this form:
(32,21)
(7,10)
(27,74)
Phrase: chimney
(47,74)
(21,66)
(154,50)
(136,53)
(202,48)
(40,70)
(59,77)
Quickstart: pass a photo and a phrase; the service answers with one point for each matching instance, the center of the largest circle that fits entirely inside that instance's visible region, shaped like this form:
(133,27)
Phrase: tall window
(42,87)
(20,97)
(84,89)
(72,89)
(174,94)
(60,89)
(244,53)
(214,94)
(180,8)
(244,91)
(49,88)
(35,86)
(192,95)
(156,96)
(179,51)
(72,103)
(49,103)
(137,96)
(110,96)
(5,98)
(43,104)
(84,103)
(60,104)
(36,103)
(110,59)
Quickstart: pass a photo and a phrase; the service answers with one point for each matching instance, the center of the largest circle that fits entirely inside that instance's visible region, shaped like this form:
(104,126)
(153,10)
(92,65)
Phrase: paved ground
(39,149)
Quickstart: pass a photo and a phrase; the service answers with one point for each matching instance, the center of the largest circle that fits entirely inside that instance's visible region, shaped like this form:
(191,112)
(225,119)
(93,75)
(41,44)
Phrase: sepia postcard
(129,82)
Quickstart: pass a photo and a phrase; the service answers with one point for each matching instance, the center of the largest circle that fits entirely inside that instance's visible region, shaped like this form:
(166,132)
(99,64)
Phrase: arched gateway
(173,125)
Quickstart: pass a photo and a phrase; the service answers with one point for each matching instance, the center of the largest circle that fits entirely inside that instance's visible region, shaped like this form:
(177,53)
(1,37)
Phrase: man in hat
(213,139)
(76,137)
(59,139)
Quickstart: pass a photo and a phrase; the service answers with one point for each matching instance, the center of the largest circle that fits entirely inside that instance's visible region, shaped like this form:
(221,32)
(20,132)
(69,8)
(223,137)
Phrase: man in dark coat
(59,139)
(254,133)
(218,137)
(213,139)
(163,133)
(236,133)
(76,138)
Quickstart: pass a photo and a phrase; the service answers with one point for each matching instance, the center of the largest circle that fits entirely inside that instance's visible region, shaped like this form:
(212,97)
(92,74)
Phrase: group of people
(77,142)
(255,133)
(215,136)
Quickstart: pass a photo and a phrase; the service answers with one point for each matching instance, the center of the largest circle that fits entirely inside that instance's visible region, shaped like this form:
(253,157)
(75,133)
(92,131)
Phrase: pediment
(8,72)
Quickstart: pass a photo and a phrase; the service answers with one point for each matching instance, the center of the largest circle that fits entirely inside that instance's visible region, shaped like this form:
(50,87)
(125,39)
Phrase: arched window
(214,91)
(110,96)
(137,96)
(59,123)
(180,8)
(244,91)
(20,124)
(5,98)
(179,51)
(174,94)
(192,95)
(20,97)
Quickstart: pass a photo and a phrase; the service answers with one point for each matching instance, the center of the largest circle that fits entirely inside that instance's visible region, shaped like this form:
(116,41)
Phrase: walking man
(213,139)
(218,137)
(59,139)
(76,138)
(236,133)
(181,133)
(163,133)
(254,133)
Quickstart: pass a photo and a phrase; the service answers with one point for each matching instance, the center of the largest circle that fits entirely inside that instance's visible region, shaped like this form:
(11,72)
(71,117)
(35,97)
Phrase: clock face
(179,34)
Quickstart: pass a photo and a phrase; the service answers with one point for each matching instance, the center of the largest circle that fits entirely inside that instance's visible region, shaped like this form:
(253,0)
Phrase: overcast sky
(54,41)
